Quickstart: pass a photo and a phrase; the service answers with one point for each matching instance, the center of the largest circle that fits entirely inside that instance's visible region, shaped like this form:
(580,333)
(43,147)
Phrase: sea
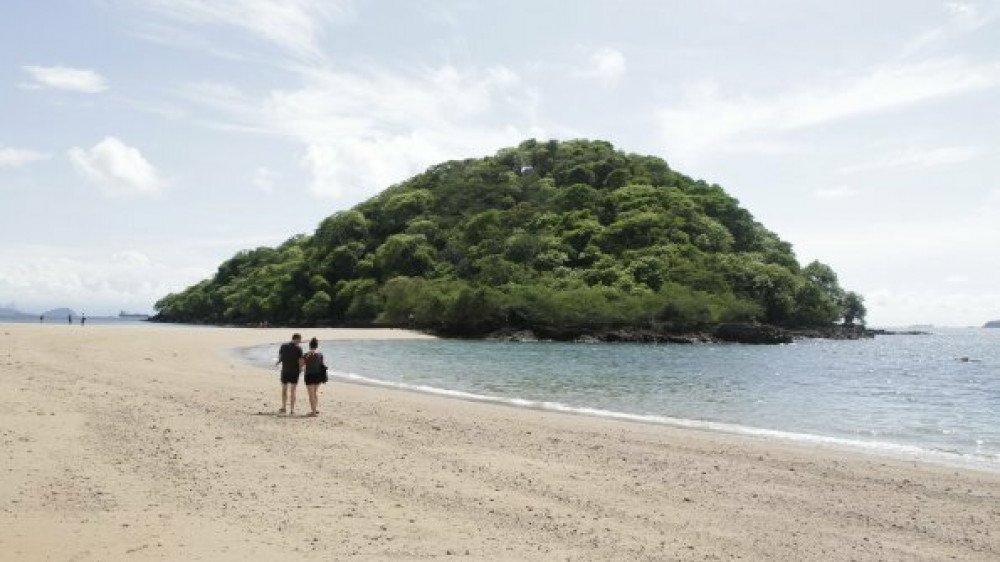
(933,397)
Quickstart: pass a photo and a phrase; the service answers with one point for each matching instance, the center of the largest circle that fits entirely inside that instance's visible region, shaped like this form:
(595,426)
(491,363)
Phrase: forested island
(555,240)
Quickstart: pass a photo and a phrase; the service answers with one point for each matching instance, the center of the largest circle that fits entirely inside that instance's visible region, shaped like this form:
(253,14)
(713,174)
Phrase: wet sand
(158,443)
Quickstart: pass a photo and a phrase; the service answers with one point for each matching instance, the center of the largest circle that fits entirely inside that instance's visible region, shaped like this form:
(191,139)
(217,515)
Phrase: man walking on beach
(290,358)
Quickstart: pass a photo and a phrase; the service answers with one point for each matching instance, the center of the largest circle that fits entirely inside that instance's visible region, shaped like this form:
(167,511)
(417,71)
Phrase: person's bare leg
(291,399)
(284,398)
(313,398)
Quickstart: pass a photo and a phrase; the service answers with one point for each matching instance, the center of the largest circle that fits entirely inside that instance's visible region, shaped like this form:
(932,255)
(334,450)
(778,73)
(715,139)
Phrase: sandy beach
(159,443)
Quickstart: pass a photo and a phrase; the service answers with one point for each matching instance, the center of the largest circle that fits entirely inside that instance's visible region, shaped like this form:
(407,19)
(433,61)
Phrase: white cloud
(17,157)
(913,244)
(364,128)
(889,307)
(888,87)
(65,78)
(355,168)
(293,25)
(921,158)
(116,168)
(839,192)
(443,13)
(606,65)
(363,131)
(131,258)
(961,18)
(960,9)
(706,119)
(96,281)
(100,280)
(263,179)
(913,264)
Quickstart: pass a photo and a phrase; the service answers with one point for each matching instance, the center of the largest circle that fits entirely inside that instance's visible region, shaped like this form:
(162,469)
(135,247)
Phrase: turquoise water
(910,395)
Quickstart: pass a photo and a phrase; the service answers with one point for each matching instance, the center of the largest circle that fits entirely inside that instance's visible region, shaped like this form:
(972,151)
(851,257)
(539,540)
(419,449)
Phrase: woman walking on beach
(315,375)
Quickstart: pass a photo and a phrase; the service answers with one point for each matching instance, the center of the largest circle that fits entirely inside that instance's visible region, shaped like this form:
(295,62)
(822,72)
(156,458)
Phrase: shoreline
(159,445)
(876,449)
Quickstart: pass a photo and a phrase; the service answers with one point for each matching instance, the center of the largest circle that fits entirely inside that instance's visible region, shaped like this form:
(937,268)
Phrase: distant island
(60,313)
(992,324)
(13,313)
(9,312)
(551,240)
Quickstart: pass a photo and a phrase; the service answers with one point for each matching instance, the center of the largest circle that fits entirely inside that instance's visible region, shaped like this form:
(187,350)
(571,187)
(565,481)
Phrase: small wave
(951,458)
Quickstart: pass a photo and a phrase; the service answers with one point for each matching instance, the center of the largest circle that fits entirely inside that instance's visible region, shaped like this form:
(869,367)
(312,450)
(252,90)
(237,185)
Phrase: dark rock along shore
(731,333)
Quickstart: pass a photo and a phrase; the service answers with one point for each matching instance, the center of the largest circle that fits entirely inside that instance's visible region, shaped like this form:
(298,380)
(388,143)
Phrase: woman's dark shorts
(289,377)
(316,378)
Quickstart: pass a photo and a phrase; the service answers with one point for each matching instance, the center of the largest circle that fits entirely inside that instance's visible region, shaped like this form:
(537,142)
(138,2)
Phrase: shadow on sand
(282,416)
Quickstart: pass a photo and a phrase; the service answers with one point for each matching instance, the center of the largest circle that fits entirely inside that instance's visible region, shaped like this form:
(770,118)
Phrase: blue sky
(144,141)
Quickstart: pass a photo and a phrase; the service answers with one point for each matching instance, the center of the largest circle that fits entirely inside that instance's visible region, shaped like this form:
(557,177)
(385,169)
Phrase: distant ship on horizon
(132,315)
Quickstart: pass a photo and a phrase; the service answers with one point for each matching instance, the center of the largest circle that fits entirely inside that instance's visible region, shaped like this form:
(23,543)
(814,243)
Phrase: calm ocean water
(913,396)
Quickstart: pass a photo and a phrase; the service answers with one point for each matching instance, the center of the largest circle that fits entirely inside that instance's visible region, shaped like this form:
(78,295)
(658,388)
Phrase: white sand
(146,443)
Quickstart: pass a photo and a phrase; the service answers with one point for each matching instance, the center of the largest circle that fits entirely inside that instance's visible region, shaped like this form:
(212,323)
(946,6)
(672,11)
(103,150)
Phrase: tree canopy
(545,235)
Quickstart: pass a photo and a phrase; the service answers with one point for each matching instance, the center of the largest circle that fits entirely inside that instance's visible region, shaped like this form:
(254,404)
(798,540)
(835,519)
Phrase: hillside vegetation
(554,237)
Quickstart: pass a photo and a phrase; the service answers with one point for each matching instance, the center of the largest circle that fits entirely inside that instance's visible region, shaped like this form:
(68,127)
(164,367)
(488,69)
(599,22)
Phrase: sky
(143,142)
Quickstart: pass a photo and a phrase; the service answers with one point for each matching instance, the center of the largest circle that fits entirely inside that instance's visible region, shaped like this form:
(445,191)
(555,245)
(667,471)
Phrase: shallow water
(899,394)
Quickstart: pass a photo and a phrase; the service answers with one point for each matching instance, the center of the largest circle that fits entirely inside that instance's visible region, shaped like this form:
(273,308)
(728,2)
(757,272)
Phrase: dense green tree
(318,306)
(403,206)
(342,228)
(404,254)
(820,298)
(357,300)
(854,308)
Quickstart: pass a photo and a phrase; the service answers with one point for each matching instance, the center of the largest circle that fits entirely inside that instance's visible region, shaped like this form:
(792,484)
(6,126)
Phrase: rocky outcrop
(758,334)
(752,333)
(835,332)
(619,335)
(992,324)
(513,336)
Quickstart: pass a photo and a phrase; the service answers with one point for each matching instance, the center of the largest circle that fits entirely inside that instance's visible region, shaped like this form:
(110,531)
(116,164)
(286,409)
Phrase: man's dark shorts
(289,377)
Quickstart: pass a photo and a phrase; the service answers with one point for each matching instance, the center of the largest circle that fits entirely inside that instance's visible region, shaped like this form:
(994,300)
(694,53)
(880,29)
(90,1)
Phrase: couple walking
(293,361)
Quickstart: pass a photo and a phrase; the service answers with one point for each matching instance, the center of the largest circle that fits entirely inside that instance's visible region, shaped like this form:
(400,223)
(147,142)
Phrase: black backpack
(314,363)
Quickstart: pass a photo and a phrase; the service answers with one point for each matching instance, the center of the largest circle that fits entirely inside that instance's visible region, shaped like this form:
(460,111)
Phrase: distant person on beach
(69,318)
(83,319)
(41,319)
(315,375)
(290,359)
